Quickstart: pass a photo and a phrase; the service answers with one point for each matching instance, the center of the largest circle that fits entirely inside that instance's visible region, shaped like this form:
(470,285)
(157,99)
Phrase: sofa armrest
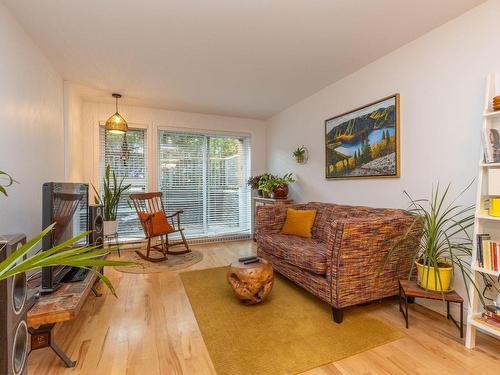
(269,219)
(364,267)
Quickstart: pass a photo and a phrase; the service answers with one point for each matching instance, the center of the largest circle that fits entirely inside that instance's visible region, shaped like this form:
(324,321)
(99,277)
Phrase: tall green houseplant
(113,191)
(446,244)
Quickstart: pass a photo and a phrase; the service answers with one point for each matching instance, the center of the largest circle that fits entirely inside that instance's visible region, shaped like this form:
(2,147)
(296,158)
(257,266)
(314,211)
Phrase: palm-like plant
(445,237)
(8,181)
(112,194)
(64,254)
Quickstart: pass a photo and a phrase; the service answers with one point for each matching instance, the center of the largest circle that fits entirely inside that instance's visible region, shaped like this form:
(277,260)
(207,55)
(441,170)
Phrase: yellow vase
(428,278)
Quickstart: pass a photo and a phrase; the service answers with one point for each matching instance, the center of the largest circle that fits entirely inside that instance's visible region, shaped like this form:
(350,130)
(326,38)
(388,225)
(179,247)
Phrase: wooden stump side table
(410,289)
(252,282)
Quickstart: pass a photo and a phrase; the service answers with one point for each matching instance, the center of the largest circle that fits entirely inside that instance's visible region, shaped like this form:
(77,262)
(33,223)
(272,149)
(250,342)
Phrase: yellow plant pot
(428,278)
(494,207)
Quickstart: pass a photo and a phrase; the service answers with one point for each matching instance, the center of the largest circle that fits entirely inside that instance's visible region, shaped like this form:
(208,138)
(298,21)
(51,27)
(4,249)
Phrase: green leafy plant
(284,180)
(266,184)
(299,152)
(112,194)
(5,182)
(445,239)
(253,182)
(64,254)
(269,182)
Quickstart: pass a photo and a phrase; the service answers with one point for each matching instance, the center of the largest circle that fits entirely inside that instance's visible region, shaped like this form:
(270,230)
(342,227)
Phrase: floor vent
(133,243)
(203,240)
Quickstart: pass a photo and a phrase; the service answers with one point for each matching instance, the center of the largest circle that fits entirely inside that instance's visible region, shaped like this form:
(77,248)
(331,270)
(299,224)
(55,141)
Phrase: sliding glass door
(205,176)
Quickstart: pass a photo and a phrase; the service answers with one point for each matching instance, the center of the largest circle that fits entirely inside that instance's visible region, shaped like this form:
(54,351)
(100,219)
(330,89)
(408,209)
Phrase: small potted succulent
(300,154)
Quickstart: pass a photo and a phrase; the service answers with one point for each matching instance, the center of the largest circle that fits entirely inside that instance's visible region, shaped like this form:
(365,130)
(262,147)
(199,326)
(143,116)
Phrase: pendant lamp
(116,124)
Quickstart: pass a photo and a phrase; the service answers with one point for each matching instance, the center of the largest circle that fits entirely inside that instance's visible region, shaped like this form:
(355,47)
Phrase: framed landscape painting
(364,143)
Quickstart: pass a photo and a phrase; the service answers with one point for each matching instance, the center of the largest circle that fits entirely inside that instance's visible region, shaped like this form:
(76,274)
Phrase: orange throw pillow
(299,222)
(159,223)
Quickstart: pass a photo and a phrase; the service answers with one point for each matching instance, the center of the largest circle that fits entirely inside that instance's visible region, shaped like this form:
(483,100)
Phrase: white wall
(441,78)
(31,126)
(94,113)
(73,134)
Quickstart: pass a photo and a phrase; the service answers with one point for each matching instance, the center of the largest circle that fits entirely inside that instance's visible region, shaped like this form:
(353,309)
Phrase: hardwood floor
(150,329)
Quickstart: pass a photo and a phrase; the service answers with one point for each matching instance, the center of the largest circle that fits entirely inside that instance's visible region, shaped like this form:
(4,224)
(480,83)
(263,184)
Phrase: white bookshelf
(483,223)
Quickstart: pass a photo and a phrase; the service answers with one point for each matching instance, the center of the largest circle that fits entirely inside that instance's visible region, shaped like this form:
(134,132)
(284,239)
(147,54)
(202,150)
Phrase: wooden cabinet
(260,201)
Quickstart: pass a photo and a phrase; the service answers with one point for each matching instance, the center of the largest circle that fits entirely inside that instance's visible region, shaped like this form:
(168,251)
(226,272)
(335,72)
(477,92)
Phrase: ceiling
(246,58)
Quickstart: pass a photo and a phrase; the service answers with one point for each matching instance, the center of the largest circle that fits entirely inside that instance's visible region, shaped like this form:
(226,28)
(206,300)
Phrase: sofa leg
(410,299)
(338,315)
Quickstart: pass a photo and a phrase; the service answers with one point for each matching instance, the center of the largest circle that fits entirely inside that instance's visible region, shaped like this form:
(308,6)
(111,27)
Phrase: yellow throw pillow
(299,222)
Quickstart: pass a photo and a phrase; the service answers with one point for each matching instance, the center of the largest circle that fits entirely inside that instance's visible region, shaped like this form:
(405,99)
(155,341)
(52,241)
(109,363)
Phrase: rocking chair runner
(155,222)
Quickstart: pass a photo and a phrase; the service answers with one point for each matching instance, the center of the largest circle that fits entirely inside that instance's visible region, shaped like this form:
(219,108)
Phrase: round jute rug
(174,262)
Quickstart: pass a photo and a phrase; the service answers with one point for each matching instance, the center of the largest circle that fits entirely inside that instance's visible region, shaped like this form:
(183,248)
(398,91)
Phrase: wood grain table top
(412,289)
(61,305)
(279,201)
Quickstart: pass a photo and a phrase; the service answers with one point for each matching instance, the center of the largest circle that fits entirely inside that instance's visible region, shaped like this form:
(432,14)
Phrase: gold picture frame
(364,142)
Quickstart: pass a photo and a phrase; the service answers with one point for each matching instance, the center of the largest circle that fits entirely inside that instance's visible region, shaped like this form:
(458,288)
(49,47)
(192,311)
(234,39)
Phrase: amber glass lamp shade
(116,124)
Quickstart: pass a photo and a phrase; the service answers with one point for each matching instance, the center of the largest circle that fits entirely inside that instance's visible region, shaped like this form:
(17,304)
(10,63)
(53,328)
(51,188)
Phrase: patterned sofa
(340,264)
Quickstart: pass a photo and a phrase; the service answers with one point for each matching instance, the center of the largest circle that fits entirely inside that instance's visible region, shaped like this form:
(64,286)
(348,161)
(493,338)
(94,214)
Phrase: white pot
(110,227)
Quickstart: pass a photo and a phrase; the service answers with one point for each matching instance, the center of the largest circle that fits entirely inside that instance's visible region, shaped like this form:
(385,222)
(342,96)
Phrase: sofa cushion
(305,253)
(298,222)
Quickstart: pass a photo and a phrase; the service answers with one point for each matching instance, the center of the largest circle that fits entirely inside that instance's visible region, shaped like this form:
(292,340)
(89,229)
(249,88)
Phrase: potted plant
(300,155)
(110,200)
(266,185)
(280,189)
(276,186)
(253,182)
(445,245)
(64,254)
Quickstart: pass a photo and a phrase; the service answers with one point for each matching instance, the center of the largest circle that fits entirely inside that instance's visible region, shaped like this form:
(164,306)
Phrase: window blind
(206,177)
(127,156)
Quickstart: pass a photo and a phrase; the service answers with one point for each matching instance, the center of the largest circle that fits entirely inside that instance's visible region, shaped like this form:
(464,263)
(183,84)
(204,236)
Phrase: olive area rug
(291,332)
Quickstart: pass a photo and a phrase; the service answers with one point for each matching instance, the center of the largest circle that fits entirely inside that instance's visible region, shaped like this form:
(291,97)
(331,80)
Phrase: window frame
(207,133)
(153,164)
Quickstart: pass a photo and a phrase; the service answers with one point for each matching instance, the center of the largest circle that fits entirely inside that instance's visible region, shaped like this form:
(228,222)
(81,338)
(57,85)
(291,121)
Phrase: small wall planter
(301,155)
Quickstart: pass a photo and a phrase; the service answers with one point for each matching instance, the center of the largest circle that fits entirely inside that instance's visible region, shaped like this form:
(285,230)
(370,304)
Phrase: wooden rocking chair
(155,222)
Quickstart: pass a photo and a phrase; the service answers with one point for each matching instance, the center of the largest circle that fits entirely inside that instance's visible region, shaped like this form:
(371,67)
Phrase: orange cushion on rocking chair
(159,224)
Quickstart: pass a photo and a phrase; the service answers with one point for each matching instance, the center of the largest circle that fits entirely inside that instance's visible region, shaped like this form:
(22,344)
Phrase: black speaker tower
(14,305)
(96,225)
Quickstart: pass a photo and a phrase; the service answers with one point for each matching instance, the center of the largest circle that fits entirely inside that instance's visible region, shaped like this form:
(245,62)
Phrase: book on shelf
(488,253)
(491,145)
(487,317)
